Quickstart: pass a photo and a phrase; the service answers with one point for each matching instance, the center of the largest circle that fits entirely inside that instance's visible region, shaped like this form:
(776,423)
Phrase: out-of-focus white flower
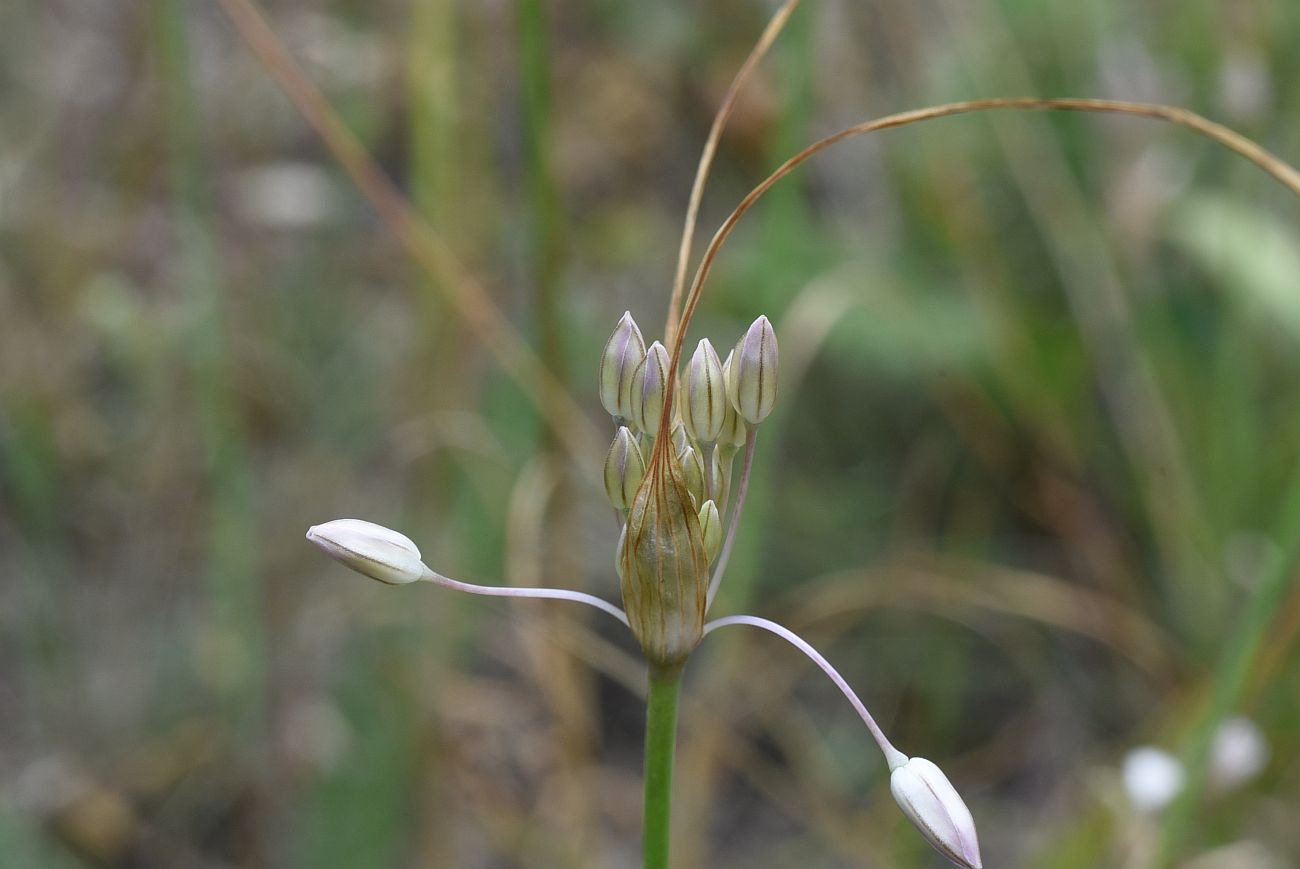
(373,550)
(1152,778)
(930,802)
(1238,753)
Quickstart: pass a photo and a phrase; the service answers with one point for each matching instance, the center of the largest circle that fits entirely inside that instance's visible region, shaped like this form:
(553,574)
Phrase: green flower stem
(660,744)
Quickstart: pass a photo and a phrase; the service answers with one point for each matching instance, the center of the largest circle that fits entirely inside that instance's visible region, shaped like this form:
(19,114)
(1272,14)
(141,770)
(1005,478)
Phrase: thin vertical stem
(660,746)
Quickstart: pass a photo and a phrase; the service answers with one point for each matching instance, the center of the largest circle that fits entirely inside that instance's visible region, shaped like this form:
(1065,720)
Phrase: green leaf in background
(1251,251)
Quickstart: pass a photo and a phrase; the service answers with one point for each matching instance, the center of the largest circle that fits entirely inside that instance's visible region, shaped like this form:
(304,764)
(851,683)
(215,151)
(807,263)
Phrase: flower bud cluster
(671,496)
(715,406)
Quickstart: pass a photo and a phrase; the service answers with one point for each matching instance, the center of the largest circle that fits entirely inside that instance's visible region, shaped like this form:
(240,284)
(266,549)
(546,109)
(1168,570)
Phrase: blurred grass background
(1027,482)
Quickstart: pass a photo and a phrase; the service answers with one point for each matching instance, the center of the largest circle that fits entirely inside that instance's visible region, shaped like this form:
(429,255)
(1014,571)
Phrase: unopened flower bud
(721,475)
(373,550)
(624,469)
(649,388)
(930,802)
(692,472)
(680,439)
(733,431)
(619,551)
(752,386)
(705,405)
(624,351)
(711,530)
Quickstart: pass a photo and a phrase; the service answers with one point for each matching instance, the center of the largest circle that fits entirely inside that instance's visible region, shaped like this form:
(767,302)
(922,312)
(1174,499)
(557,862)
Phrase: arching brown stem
(1230,139)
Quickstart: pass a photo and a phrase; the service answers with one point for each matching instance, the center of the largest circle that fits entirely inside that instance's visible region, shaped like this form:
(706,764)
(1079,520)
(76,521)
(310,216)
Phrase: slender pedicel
(391,558)
(516,591)
(742,487)
(893,756)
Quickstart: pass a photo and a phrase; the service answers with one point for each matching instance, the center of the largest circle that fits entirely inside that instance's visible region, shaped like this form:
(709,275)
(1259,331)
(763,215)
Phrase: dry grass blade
(770,33)
(1230,139)
(466,294)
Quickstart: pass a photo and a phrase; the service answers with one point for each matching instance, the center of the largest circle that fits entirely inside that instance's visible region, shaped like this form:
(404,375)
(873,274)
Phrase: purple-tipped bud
(369,549)
(624,469)
(649,388)
(930,802)
(704,410)
(624,351)
(752,386)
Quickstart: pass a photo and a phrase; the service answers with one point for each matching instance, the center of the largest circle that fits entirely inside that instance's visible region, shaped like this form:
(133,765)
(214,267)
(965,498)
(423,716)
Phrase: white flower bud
(649,388)
(704,409)
(373,550)
(624,351)
(930,802)
(752,385)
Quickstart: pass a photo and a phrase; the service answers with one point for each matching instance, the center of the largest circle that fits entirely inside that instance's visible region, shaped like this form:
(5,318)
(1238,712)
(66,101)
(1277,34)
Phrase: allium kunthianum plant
(670,475)
(683,445)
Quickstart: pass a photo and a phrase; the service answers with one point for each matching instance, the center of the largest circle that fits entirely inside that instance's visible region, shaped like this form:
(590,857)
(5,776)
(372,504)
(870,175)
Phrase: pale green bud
(733,431)
(624,351)
(692,465)
(664,572)
(711,530)
(624,469)
(649,388)
(369,549)
(620,552)
(705,405)
(722,472)
(752,385)
(680,439)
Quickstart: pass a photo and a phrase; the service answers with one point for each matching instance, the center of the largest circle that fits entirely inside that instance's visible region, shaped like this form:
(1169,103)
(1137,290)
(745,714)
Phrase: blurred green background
(1027,483)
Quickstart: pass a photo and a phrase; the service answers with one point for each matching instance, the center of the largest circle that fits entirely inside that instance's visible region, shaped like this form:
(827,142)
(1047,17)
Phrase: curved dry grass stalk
(1230,139)
(770,33)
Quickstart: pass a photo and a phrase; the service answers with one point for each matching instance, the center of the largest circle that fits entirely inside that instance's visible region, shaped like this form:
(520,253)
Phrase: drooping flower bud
(624,351)
(930,802)
(752,385)
(649,388)
(624,469)
(692,465)
(373,550)
(705,405)
(733,431)
(664,572)
(711,530)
